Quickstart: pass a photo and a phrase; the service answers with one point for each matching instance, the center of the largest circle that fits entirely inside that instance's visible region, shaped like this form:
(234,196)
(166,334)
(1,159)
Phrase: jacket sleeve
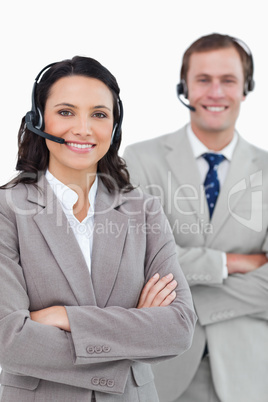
(240,295)
(148,334)
(201,265)
(31,349)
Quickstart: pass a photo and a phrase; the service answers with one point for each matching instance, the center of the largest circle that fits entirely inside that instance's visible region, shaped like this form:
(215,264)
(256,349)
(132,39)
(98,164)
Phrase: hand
(158,292)
(55,316)
(244,263)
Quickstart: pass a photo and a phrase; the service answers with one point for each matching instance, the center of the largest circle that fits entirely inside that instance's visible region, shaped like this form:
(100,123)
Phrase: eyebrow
(209,75)
(65,104)
(101,106)
(75,107)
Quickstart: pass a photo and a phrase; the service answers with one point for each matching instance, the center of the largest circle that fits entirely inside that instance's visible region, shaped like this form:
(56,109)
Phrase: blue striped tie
(211,183)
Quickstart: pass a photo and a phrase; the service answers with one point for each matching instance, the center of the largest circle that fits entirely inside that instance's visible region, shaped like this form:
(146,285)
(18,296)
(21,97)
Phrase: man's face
(215,83)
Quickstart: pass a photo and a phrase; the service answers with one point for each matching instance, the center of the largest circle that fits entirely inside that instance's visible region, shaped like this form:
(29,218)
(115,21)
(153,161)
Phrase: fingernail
(169,276)
(156,276)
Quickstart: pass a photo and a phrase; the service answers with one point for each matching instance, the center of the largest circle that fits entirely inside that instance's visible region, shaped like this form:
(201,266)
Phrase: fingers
(165,296)
(158,292)
(169,299)
(147,289)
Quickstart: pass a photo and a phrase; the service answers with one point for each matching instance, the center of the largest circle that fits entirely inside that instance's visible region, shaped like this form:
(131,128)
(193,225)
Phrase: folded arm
(157,292)
(152,333)
(46,351)
(240,295)
(244,263)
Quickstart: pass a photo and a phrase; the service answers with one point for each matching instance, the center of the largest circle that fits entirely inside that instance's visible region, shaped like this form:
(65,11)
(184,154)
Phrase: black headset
(249,85)
(35,122)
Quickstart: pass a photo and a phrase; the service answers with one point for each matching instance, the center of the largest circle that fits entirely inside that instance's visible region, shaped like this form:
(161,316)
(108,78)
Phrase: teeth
(215,108)
(81,146)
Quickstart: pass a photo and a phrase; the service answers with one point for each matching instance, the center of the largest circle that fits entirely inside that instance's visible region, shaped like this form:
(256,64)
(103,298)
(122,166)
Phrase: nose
(215,90)
(83,126)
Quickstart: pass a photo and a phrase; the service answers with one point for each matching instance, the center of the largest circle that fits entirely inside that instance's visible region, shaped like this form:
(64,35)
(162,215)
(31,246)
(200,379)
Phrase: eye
(65,113)
(99,115)
(203,80)
(229,79)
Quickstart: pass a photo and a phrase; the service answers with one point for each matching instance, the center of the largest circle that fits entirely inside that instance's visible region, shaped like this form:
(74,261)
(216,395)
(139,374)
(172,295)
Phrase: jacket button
(98,349)
(95,381)
(110,383)
(90,350)
(106,349)
(103,382)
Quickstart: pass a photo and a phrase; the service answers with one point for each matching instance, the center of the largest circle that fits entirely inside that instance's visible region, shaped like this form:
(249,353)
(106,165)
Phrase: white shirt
(83,231)
(199,149)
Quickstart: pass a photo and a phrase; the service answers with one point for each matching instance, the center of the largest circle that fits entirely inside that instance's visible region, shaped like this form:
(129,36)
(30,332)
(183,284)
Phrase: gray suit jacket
(233,312)
(111,342)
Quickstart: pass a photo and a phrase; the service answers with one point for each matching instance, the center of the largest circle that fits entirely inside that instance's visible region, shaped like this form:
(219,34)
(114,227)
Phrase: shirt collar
(199,148)
(68,197)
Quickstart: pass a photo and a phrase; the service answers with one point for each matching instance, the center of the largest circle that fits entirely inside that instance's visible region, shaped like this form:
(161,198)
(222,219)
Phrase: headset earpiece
(39,124)
(116,134)
(182,89)
(113,134)
(249,85)
(34,118)
(249,81)
(30,118)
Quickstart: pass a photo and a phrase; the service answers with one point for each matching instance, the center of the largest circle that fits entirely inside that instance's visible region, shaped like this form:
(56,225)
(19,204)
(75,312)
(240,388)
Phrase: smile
(215,108)
(80,146)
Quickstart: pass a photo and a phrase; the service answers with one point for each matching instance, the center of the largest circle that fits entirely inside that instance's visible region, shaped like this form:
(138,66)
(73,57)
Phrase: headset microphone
(30,126)
(34,120)
(182,90)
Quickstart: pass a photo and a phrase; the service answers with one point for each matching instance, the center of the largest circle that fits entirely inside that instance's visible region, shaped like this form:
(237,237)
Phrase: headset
(249,85)
(35,122)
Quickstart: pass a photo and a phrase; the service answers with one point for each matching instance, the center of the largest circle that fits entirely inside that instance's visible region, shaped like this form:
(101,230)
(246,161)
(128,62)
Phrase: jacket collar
(108,243)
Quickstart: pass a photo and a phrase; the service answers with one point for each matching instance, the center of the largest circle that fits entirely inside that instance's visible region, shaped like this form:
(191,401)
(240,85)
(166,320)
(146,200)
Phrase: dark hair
(33,154)
(217,41)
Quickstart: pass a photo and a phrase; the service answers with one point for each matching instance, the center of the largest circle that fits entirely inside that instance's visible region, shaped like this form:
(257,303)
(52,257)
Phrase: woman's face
(78,109)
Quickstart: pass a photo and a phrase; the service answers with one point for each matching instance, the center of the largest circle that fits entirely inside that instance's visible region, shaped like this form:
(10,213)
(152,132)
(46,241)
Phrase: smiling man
(214,189)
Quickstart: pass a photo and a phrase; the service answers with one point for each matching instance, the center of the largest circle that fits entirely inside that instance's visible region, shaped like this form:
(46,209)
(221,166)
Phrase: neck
(79,181)
(214,140)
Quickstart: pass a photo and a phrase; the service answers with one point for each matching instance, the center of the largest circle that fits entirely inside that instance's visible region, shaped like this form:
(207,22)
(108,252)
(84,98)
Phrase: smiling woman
(79,110)
(51,98)
(83,255)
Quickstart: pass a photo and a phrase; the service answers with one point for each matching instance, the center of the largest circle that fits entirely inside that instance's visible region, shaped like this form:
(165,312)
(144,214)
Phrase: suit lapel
(111,227)
(56,231)
(235,185)
(184,170)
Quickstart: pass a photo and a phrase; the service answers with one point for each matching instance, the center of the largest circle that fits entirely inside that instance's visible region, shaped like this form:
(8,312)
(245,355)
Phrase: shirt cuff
(224,266)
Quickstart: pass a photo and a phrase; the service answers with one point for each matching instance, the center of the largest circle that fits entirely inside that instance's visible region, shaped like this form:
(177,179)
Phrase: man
(214,189)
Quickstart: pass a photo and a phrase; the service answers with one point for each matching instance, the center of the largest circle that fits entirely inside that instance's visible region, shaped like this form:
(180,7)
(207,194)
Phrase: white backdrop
(140,41)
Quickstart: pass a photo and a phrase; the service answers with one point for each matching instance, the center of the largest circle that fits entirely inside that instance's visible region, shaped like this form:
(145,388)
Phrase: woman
(77,245)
